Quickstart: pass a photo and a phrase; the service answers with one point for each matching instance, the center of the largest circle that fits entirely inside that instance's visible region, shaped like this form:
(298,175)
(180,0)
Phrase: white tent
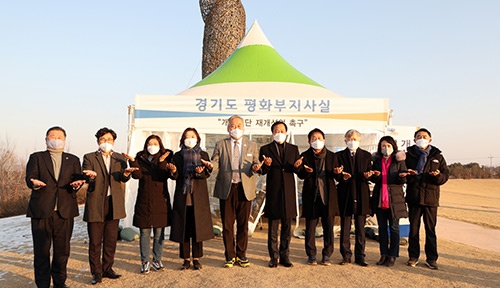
(256,83)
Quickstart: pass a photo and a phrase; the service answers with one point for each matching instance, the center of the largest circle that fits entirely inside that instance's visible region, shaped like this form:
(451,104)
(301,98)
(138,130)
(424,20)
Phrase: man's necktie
(235,163)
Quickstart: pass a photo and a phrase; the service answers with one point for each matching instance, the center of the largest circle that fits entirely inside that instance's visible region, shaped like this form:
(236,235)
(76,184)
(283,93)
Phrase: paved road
(469,234)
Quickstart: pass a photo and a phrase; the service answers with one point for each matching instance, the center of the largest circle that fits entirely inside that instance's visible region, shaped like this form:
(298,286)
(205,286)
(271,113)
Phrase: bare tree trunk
(225,22)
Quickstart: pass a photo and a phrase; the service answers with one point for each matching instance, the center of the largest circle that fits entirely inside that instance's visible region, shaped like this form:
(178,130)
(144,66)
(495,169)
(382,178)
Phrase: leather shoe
(361,262)
(382,260)
(273,263)
(390,261)
(286,262)
(345,261)
(196,265)
(61,286)
(111,274)
(96,278)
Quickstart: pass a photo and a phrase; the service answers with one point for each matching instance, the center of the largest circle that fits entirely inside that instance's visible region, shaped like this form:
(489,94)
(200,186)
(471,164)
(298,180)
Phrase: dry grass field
(475,201)
(460,265)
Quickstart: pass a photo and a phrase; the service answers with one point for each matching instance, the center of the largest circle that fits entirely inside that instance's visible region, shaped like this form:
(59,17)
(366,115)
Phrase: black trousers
(388,248)
(190,236)
(272,238)
(429,214)
(102,238)
(235,207)
(360,240)
(327,224)
(56,232)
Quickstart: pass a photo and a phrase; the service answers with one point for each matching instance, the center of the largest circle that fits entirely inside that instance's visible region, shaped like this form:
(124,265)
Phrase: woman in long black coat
(388,197)
(319,194)
(152,205)
(191,217)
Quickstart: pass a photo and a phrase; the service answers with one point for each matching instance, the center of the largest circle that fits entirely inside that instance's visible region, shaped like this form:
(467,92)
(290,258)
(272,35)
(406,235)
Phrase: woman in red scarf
(388,197)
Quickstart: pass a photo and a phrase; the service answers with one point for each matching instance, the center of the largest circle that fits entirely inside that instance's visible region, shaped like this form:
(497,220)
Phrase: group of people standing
(335,184)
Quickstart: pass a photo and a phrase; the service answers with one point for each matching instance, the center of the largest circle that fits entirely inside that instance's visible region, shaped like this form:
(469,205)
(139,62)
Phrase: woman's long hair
(153,136)
(389,140)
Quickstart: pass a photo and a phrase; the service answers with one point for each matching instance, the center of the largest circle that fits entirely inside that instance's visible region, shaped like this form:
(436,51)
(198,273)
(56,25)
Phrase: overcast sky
(79,64)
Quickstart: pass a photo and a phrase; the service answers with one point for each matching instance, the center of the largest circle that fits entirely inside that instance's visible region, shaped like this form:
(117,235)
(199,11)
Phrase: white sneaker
(157,265)
(145,267)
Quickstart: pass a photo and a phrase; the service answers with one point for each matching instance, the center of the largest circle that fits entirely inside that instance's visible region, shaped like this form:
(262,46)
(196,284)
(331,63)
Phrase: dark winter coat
(281,199)
(201,204)
(356,184)
(152,206)
(310,183)
(424,189)
(395,187)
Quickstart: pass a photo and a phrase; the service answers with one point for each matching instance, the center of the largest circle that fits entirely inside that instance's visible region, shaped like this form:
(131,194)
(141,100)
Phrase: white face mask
(422,143)
(353,145)
(318,144)
(105,147)
(56,144)
(153,149)
(387,151)
(236,133)
(190,142)
(279,137)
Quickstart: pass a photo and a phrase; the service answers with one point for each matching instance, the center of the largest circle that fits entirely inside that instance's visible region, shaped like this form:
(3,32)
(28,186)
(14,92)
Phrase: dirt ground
(460,265)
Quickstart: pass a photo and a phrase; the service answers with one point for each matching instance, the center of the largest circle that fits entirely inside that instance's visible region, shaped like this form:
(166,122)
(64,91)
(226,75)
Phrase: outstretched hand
(346,175)
(435,173)
(207,164)
(164,156)
(129,171)
(298,162)
(89,173)
(77,184)
(338,170)
(37,183)
(171,167)
(267,160)
(130,158)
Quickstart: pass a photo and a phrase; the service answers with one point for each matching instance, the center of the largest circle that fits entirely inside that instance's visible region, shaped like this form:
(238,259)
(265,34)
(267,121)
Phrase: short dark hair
(389,140)
(56,128)
(162,148)
(183,137)
(422,130)
(315,130)
(104,131)
(277,123)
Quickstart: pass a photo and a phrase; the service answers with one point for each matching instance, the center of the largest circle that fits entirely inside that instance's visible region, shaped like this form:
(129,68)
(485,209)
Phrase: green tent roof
(255,60)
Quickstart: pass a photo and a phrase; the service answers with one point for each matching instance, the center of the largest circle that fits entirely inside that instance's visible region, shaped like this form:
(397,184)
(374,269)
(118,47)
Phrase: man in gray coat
(105,203)
(237,159)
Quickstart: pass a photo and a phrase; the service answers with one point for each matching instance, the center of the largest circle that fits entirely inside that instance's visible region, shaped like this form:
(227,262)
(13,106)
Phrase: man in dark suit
(354,196)
(105,203)
(237,160)
(319,168)
(279,162)
(53,177)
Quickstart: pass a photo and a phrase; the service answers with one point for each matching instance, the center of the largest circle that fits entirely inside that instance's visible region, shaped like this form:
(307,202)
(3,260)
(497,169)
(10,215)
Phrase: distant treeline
(473,171)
